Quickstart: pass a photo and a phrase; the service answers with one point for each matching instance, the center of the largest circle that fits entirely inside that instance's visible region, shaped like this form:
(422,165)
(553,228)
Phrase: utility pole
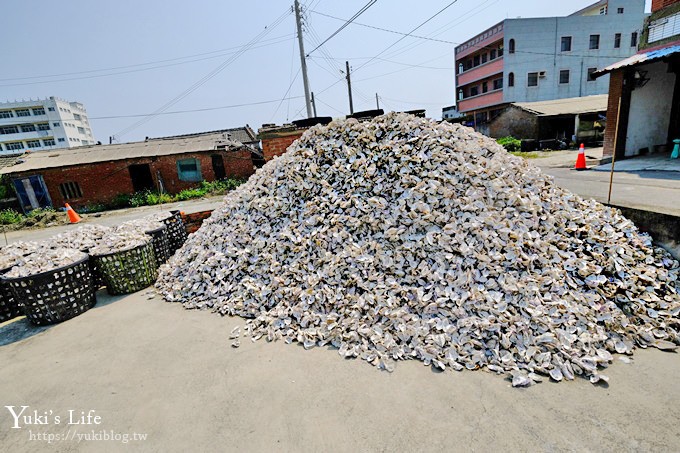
(303,61)
(377,102)
(314,105)
(349,88)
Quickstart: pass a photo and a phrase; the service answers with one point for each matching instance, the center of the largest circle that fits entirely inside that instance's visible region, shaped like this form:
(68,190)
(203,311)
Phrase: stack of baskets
(177,232)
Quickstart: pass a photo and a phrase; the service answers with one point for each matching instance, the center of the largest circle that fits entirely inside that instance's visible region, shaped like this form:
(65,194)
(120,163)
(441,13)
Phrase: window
(500,51)
(61,139)
(485,58)
(485,87)
(51,109)
(566,43)
(475,60)
(617,41)
(532,79)
(498,84)
(81,130)
(9,130)
(48,142)
(14,146)
(603,10)
(474,91)
(38,111)
(33,143)
(511,79)
(619,11)
(6,114)
(27,128)
(564,76)
(70,190)
(44,127)
(594,42)
(461,68)
(76,117)
(493,54)
(591,74)
(189,170)
(461,95)
(85,142)
(55,124)
(511,46)
(23,112)
(634,39)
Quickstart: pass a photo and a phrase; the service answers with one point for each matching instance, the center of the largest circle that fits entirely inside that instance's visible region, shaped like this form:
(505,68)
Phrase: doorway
(140,175)
(32,193)
(218,166)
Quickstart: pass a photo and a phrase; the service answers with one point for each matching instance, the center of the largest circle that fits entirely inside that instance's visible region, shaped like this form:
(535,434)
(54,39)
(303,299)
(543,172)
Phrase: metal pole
(377,102)
(349,88)
(314,105)
(616,139)
(303,61)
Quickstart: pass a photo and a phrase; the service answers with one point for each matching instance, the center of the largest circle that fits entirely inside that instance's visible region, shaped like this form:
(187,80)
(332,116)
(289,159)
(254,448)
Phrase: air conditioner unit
(541,74)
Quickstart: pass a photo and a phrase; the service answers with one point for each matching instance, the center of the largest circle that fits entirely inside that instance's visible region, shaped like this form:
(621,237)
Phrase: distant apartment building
(539,59)
(42,125)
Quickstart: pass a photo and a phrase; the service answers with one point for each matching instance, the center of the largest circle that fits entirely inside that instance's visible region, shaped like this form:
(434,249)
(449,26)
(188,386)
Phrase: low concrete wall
(664,228)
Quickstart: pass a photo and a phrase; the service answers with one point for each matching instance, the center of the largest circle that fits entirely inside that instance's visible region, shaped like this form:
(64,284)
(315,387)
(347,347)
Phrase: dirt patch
(42,219)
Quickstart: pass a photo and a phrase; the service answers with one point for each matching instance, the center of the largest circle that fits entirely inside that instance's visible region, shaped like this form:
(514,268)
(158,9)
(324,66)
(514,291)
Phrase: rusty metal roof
(640,58)
(164,146)
(568,106)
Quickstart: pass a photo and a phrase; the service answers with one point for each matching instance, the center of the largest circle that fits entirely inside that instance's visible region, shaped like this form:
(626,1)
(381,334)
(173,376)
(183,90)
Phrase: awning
(569,106)
(640,58)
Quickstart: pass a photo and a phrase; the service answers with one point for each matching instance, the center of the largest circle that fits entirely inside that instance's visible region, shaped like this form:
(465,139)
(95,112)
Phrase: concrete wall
(515,122)
(650,108)
(538,48)
(664,228)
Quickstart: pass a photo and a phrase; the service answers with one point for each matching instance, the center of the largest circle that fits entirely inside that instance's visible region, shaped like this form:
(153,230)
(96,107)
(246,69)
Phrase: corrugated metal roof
(104,153)
(6,161)
(640,58)
(568,106)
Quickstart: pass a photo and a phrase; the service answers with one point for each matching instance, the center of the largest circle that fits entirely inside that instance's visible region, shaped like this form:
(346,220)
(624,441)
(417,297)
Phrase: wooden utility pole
(377,102)
(616,139)
(303,61)
(349,89)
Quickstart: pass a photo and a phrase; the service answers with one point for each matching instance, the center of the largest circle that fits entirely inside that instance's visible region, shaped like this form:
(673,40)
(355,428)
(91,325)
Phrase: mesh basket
(161,244)
(56,295)
(176,231)
(9,307)
(129,270)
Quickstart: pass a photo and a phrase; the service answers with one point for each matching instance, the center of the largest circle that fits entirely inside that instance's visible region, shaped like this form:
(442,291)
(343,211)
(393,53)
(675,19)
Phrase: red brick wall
(615,91)
(277,145)
(194,220)
(102,182)
(660,4)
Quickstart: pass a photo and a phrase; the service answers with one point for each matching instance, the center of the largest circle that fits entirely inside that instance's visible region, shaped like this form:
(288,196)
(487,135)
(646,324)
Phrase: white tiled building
(42,125)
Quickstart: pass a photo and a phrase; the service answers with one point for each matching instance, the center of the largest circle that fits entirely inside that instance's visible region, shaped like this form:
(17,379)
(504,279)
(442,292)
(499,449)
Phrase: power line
(349,21)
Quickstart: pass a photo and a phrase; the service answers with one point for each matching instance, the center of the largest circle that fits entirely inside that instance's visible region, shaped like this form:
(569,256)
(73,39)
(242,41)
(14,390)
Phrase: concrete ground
(644,163)
(149,367)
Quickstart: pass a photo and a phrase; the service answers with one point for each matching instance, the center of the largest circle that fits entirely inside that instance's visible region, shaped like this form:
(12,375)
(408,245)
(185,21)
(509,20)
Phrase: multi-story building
(540,59)
(43,124)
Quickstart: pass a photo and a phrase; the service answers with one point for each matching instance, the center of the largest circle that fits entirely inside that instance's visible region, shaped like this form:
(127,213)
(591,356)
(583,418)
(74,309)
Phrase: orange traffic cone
(73,216)
(581,159)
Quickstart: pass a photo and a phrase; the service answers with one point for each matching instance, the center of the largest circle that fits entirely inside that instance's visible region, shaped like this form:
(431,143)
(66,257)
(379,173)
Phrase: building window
(33,143)
(594,42)
(27,128)
(566,43)
(591,74)
(38,111)
(189,170)
(55,124)
(461,68)
(81,130)
(617,41)
(511,79)
(485,87)
(511,46)
(485,58)
(634,39)
(44,127)
(9,130)
(493,54)
(23,112)
(532,79)
(70,190)
(51,109)
(475,60)
(474,91)
(603,10)
(619,11)
(564,76)
(48,142)
(461,95)
(6,114)
(61,139)
(76,117)
(498,84)
(500,51)
(14,146)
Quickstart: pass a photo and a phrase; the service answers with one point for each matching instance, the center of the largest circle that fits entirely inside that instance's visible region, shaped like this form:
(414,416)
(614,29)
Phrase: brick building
(276,139)
(643,115)
(90,175)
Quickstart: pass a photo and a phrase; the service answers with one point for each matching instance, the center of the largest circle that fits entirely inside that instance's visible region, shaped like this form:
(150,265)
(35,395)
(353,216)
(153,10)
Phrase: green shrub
(121,201)
(188,194)
(138,199)
(510,143)
(154,198)
(39,212)
(10,216)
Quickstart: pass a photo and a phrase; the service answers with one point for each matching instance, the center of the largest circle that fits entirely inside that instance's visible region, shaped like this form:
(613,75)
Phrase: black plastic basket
(128,271)
(161,244)
(9,307)
(56,295)
(176,231)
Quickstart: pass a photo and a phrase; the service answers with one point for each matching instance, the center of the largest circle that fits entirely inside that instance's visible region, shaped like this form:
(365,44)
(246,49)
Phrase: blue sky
(130,57)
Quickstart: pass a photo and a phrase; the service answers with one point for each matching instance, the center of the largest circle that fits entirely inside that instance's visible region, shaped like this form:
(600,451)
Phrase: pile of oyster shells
(402,238)
(84,238)
(119,240)
(43,260)
(143,225)
(14,253)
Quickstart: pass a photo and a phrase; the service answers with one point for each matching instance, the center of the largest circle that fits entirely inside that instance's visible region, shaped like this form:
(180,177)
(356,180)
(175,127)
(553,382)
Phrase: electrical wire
(343,26)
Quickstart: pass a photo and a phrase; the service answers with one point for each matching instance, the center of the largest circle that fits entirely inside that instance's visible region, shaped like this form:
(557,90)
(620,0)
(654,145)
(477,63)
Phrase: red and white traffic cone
(73,216)
(581,159)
